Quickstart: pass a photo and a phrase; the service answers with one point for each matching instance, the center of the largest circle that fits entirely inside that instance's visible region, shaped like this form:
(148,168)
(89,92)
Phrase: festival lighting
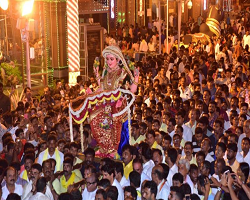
(27,7)
(4,4)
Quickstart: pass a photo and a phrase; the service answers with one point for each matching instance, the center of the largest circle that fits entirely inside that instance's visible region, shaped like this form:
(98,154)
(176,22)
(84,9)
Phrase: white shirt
(143,46)
(26,194)
(145,177)
(162,191)
(5,191)
(172,171)
(246,40)
(187,133)
(244,159)
(240,141)
(209,158)
(39,196)
(119,188)
(147,168)
(88,195)
(124,182)
(40,158)
(186,94)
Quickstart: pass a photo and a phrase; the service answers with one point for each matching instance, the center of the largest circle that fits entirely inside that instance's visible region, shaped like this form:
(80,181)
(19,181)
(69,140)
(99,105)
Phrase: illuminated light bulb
(4,4)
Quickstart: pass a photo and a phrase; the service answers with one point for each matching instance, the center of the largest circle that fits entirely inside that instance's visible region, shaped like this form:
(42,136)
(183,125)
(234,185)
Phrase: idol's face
(111,61)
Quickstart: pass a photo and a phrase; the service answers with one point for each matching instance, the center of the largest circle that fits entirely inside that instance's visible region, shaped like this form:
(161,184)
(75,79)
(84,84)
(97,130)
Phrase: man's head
(138,165)
(73,148)
(177,179)
(201,184)
(218,127)
(175,193)
(127,154)
(135,179)
(29,159)
(36,171)
(149,190)
(171,125)
(67,166)
(108,172)
(52,141)
(10,176)
(130,192)
(41,184)
(46,168)
(89,155)
(118,170)
(231,151)
(150,137)
(179,118)
(91,182)
(171,156)
(193,173)
(157,156)
(183,167)
(188,148)
(245,144)
(220,150)
(157,174)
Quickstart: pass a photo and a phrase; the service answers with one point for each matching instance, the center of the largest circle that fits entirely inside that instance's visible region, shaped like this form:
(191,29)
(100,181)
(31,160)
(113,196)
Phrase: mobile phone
(220,70)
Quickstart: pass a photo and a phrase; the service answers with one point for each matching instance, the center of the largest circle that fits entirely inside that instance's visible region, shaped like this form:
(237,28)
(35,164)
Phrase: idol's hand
(96,72)
(136,72)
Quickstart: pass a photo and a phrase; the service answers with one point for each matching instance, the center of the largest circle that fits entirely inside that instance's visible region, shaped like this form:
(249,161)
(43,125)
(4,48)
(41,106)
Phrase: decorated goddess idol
(108,109)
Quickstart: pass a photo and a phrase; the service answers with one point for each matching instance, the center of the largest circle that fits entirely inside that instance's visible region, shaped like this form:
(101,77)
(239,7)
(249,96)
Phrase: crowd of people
(190,129)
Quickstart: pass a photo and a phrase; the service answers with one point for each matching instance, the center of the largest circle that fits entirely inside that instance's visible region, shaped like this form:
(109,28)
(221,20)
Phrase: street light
(4,4)
(27,9)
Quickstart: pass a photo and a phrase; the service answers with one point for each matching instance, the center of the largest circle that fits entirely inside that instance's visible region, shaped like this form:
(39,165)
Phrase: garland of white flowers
(71,127)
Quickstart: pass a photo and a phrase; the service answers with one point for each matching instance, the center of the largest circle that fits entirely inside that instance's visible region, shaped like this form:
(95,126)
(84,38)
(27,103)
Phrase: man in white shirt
(52,152)
(246,40)
(10,178)
(91,187)
(231,156)
(185,91)
(138,166)
(158,178)
(187,132)
(36,173)
(143,45)
(148,163)
(170,158)
(119,175)
(245,145)
(41,185)
(108,172)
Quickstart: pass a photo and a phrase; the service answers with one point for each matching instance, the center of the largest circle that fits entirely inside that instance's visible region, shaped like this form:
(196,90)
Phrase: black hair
(16,165)
(100,191)
(233,147)
(89,151)
(178,177)
(185,188)
(172,154)
(119,168)
(13,196)
(165,170)
(104,183)
(152,186)
(135,178)
(131,190)
(65,196)
(244,167)
(177,191)
(37,166)
(109,169)
(41,184)
(112,193)
(68,160)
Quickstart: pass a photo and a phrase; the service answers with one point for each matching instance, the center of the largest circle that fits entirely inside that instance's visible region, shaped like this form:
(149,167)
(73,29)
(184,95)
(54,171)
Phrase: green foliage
(10,74)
